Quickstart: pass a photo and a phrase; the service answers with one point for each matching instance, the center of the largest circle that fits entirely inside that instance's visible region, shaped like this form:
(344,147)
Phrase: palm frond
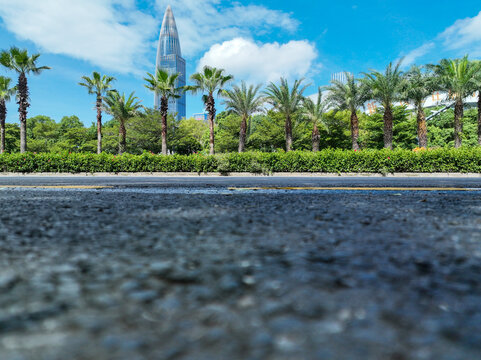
(6,90)
(209,81)
(164,84)
(283,98)
(97,84)
(20,61)
(243,101)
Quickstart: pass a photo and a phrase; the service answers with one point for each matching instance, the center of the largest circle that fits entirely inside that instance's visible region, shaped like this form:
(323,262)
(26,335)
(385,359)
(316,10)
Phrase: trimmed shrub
(327,161)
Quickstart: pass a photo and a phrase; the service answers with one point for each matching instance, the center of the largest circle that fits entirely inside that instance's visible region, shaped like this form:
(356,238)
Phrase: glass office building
(169,58)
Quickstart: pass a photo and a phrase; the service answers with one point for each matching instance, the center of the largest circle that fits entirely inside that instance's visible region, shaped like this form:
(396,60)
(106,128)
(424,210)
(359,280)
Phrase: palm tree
(122,110)
(385,87)
(23,63)
(209,81)
(287,102)
(351,95)
(164,84)
(418,86)
(6,92)
(457,77)
(244,102)
(314,111)
(98,85)
(477,83)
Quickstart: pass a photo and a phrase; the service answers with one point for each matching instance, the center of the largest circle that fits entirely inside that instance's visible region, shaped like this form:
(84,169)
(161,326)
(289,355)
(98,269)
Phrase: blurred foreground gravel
(207,273)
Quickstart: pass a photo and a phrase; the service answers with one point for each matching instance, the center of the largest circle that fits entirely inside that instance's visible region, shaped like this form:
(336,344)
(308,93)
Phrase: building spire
(169,43)
(169,58)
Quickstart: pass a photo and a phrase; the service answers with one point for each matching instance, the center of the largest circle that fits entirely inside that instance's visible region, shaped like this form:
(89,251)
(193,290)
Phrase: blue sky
(257,41)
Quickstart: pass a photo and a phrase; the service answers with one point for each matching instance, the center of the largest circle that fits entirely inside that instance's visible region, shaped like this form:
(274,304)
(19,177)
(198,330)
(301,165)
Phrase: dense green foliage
(441,132)
(264,133)
(330,161)
(294,121)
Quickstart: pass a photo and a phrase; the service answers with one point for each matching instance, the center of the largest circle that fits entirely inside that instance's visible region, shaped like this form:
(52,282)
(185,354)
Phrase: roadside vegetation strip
(464,160)
(354,188)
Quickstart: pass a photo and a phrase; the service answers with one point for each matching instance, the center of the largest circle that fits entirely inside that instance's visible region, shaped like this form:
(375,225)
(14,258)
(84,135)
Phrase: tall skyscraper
(169,58)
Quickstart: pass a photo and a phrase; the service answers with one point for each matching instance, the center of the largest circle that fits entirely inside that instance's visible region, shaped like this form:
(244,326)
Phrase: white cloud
(115,35)
(464,35)
(411,57)
(202,23)
(111,34)
(260,63)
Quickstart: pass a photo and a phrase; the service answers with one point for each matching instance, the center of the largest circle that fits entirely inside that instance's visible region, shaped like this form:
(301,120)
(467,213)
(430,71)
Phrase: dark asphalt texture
(166,268)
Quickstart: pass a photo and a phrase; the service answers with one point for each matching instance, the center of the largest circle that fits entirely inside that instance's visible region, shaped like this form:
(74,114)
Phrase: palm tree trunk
(288,133)
(388,120)
(354,130)
(316,137)
(243,134)
(99,123)
(210,106)
(23,105)
(122,137)
(3,115)
(479,118)
(422,128)
(164,108)
(458,125)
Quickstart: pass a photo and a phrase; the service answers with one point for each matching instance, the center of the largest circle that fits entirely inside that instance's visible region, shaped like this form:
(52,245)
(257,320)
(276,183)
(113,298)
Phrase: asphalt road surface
(205,269)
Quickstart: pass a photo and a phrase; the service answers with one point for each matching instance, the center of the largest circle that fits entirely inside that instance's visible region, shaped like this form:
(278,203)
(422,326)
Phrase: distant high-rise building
(340,76)
(200,116)
(169,58)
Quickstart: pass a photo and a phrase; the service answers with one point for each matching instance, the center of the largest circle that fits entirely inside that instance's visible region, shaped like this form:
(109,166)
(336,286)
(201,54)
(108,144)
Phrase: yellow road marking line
(56,186)
(361,188)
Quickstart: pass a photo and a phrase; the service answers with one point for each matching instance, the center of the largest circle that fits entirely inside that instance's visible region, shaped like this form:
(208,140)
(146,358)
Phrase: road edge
(242,174)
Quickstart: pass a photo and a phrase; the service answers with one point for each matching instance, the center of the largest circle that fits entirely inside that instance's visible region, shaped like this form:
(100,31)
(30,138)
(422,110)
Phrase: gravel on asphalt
(204,273)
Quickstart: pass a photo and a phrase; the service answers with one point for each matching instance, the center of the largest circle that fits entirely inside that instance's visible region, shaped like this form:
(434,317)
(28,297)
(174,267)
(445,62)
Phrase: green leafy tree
(227,132)
(441,131)
(24,64)
(372,129)
(42,132)
(110,136)
(122,109)
(458,78)
(314,111)
(418,86)
(70,122)
(164,85)
(76,140)
(209,82)
(267,132)
(302,133)
(6,93)
(12,138)
(351,95)
(73,136)
(386,87)
(145,131)
(337,135)
(243,102)
(190,135)
(287,101)
(98,85)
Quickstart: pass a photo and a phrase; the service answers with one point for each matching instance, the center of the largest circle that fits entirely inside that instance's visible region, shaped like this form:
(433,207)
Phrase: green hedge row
(331,161)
